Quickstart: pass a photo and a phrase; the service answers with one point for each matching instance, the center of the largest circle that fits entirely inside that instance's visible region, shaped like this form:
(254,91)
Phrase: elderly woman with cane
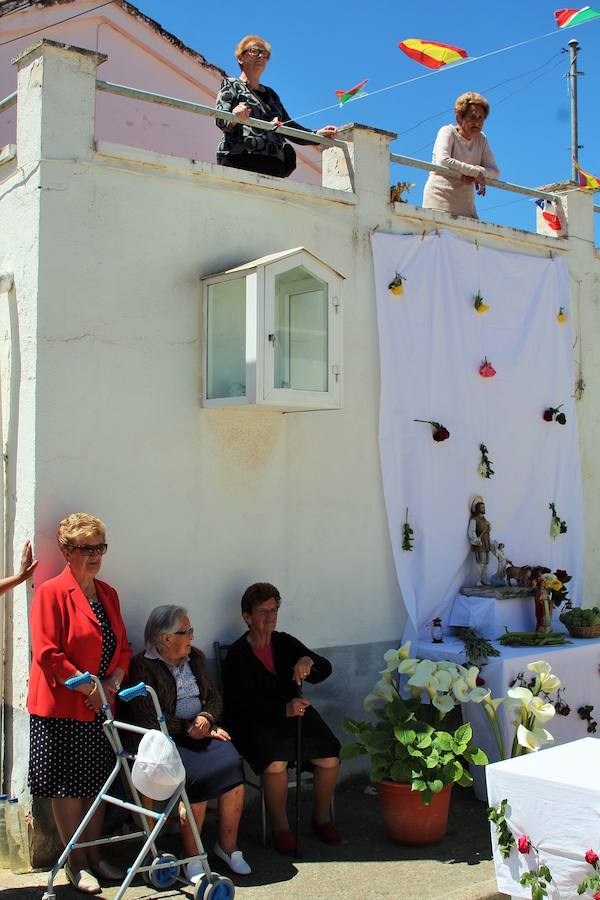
(262,674)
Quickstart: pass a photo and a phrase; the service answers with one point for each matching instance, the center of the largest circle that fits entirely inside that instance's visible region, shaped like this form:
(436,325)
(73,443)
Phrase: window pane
(226,339)
(301,331)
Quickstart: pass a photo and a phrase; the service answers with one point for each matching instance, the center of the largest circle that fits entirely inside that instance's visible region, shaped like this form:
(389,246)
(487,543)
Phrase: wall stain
(246,437)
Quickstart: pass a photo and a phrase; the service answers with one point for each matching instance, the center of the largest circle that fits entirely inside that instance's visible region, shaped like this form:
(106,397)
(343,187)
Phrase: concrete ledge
(136,156)
(430,219)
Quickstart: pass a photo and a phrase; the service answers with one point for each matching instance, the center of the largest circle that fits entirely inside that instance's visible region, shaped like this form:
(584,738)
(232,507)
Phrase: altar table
(553,798)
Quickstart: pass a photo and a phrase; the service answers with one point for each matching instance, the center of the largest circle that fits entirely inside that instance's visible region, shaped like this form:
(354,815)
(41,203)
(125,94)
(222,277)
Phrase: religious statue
(478,532)
(543,603)
(499,579)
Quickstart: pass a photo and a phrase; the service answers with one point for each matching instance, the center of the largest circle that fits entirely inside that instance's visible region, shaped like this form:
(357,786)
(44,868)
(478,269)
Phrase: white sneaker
(194,871)
(236,861)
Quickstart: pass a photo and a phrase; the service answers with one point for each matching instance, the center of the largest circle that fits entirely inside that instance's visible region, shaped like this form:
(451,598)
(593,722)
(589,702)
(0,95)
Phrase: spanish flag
(431,53)
(586,181)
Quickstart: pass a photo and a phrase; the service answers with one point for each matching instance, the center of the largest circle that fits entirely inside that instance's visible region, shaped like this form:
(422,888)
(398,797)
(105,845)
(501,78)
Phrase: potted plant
(414,762)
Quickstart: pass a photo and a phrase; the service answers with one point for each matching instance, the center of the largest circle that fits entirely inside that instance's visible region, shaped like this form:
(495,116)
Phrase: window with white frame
(273,335)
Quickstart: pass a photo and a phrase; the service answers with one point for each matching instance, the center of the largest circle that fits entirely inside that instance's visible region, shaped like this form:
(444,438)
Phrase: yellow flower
(397,290)
(482,308)
(562,316)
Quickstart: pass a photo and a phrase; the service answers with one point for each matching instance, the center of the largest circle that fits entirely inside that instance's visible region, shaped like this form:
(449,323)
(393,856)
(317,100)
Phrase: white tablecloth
(553,798)
(576,665)
(492,617)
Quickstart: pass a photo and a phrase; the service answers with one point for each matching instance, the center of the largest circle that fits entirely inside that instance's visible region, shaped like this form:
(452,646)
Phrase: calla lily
(386,676)
(540,666)
(543,712)
(445,703)
(521,694)
(442,679)
(471,677)
(422,675)
(549,683)
(393,658)
(534,739)
(478,694)
(404,651)
(491,705)
(460,689)
(408,666)
(381,691)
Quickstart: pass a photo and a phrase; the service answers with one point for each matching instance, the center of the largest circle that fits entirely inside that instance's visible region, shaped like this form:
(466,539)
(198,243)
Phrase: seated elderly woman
(464,149)
(192,707)
(261,676)
(256,149)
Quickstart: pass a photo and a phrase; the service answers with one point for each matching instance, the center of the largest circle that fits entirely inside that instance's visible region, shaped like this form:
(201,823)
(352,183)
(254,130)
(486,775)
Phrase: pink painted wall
(138,56)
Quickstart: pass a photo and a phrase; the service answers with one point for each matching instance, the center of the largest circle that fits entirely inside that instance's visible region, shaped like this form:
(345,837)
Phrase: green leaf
(405,736)
(465,780)
(401,773)
(476,756)
(443,740)
(419,784)
(436,785)
(424,740)
(457,748)
(432,761)
(463,734)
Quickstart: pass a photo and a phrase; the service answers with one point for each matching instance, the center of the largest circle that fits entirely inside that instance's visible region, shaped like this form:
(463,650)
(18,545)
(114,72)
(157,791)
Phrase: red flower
(592,858)
(596,896)
(548,415)
(441,434)
(562,575)
(486,369)
(524,844)
(479,681)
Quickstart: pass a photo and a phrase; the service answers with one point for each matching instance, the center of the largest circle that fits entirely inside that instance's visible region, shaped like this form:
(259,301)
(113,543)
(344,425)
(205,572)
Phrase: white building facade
(103,252)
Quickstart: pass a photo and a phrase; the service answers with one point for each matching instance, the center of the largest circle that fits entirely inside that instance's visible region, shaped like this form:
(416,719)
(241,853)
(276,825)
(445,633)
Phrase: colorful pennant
(431,53)
(352,94)
(586,181)
(566,18)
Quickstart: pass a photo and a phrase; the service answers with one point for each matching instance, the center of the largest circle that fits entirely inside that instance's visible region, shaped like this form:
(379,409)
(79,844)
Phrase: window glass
(226,339)
(301,361)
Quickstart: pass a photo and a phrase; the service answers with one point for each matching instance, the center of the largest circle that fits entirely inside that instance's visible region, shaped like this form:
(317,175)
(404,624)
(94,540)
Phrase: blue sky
(319,47)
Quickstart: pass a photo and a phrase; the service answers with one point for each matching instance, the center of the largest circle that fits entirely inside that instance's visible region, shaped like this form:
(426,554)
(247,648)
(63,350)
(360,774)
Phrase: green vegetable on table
(580,618)
(532,639)
(477,648)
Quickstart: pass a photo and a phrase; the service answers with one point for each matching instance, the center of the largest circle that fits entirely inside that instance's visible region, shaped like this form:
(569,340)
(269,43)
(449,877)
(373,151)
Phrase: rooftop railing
(309,136)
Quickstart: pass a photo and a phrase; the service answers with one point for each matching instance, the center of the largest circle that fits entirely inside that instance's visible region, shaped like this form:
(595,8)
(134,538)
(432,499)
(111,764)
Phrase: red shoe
(285,842)
(327,832)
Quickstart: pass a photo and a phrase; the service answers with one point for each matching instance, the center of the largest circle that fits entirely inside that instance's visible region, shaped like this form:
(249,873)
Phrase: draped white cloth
(432,343)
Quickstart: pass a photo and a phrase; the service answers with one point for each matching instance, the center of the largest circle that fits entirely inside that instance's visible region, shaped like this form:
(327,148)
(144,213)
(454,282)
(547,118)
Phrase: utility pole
(572,76)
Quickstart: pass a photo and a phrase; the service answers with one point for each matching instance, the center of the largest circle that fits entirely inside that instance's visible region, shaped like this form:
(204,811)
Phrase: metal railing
(492,182)
(201,110)
(8,101)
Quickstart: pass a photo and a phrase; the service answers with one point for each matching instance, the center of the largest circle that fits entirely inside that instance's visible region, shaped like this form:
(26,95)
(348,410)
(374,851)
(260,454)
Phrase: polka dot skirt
(68,758)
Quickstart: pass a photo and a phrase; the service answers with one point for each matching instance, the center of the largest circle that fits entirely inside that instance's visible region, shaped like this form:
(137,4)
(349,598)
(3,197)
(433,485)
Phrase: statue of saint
(499,579)
(478,532)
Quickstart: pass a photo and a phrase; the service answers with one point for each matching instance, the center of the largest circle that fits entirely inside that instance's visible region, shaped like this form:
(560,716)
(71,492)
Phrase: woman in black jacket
(256,149)
(262,674)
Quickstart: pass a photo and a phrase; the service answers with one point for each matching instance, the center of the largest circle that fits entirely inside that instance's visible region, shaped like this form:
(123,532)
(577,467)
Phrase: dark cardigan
(158,675)
(255,703)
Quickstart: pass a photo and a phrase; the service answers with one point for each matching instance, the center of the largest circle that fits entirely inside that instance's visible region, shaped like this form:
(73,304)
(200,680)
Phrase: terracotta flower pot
(406,818)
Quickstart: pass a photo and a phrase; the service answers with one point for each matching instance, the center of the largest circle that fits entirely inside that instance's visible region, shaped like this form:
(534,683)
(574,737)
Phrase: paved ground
(365,866)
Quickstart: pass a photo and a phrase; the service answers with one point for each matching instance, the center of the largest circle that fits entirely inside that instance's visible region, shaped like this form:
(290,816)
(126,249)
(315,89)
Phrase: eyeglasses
(267,612)
(258,51)
(186,632)
(90,549)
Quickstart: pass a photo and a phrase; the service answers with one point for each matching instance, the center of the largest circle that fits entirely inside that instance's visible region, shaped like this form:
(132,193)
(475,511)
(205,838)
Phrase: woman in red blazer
(76,627)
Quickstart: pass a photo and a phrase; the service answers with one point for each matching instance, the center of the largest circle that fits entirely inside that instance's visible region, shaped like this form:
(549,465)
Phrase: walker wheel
(220,889)
(163,878)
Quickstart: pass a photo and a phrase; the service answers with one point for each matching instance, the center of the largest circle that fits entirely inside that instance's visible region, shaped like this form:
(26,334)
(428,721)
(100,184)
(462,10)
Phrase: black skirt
(269,743)
(211,767)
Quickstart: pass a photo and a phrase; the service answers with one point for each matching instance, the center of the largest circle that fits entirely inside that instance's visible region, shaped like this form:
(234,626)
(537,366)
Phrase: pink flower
(486,369)
(591,857)
(524,844)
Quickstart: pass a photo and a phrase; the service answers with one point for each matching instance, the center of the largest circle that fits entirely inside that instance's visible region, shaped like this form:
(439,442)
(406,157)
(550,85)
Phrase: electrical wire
(463,62)
(83,12)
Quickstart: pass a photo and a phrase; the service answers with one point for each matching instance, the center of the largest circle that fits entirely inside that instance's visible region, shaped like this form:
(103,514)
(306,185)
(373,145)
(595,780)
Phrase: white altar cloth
(492,617)
(553,798)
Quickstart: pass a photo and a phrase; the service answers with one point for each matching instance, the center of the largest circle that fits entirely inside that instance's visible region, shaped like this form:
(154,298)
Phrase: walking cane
(298,774)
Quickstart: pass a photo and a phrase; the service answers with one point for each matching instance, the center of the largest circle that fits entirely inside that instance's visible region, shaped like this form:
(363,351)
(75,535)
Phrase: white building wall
(200,503)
